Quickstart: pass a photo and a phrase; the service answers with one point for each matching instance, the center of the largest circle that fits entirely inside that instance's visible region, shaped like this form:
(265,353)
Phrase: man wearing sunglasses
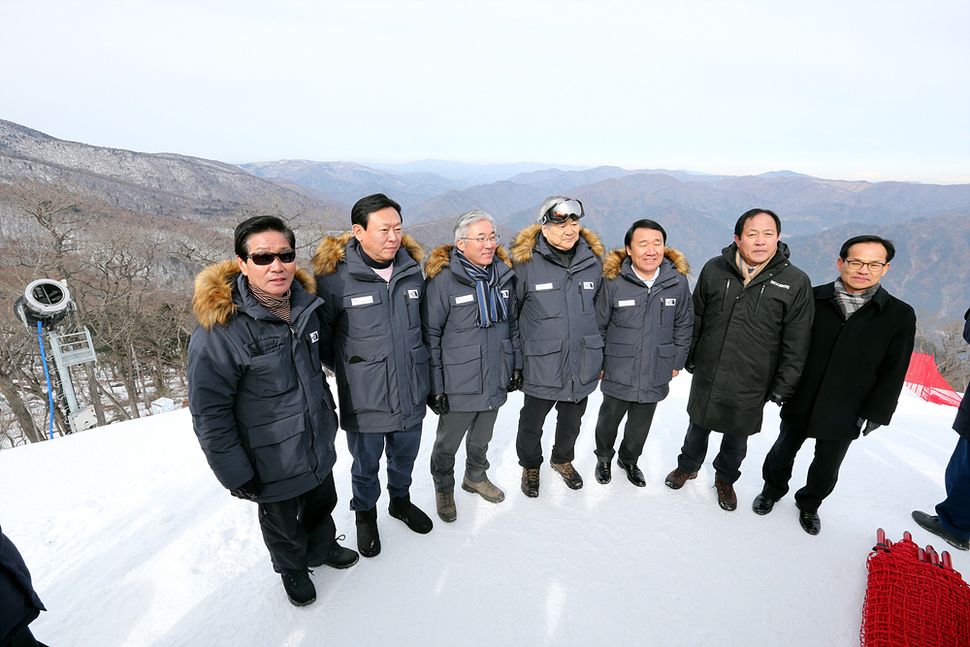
(372,287)
(558,271)
(862,340)
(260,402)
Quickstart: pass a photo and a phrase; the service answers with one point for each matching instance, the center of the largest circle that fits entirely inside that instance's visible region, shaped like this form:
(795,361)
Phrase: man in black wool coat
(862,340)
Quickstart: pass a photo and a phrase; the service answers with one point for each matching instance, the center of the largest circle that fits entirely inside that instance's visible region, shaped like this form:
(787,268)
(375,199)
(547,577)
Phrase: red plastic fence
(924,378)
(914,598)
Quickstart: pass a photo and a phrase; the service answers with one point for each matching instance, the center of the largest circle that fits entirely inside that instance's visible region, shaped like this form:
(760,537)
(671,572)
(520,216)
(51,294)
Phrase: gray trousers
(451,429)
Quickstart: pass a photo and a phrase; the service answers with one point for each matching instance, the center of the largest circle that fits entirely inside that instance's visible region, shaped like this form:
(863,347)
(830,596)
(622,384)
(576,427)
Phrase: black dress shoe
(603,473)
(810,522)
(932,523)
(633,473)
(762,504)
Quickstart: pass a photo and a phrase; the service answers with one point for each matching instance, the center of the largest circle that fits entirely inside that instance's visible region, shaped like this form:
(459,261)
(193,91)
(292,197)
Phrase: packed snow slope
(132,542)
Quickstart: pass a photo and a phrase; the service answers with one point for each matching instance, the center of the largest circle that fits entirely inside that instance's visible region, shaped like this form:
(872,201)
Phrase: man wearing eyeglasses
(470,327)
(372,289)
(260,403)
(862,340)
(558,271)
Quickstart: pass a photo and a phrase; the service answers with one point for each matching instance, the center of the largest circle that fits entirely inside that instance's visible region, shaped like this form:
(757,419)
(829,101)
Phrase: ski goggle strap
(563,211)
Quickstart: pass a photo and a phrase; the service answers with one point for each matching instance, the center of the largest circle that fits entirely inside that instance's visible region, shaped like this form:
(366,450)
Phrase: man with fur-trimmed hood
(558,269)
(471,328)
(372,287)
(646,317)
(260,402)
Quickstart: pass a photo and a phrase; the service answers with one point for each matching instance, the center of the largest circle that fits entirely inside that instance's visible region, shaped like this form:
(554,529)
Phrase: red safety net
(924,378)
(914,598)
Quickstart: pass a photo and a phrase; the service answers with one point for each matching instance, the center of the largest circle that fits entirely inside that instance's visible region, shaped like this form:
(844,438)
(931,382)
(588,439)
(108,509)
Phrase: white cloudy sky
(867,89)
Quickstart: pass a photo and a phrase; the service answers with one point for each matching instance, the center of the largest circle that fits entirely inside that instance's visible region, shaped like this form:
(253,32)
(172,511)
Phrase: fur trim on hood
(333,250)
(613,262)
(440,258)
(212,301)
(525,242)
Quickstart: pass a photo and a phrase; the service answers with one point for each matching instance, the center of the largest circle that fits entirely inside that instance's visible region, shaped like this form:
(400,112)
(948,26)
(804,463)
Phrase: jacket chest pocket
(627,313)
(273,372)
(365,314)
(546,300)
(464,312)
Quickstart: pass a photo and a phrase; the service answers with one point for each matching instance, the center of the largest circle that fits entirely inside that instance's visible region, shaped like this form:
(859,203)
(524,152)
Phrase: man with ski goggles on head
(558,270)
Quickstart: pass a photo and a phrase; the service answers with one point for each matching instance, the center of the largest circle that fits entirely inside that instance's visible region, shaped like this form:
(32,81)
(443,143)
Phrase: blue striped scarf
(491,305)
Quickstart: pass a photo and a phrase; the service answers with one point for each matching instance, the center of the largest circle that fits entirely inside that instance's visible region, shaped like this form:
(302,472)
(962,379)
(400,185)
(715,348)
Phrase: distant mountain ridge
(930,223)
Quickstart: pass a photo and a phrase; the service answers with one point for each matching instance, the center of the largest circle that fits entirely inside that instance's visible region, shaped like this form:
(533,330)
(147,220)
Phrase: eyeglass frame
(874,266)
(481,240)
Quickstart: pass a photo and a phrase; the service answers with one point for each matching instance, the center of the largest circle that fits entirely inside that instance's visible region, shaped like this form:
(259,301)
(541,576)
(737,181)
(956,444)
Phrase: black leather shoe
(402,508)
(633,473)
(762,504)
(932,524)
(368,539)
(603,473)
(810,522)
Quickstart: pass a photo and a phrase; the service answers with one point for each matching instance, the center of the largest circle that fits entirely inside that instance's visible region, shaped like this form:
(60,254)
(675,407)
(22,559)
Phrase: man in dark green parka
(752,326)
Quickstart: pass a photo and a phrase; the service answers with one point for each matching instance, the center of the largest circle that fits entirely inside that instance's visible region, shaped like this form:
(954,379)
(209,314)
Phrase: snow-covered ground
(132,542)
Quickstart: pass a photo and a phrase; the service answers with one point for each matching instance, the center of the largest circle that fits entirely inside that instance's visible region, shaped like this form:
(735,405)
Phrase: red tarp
(923,378)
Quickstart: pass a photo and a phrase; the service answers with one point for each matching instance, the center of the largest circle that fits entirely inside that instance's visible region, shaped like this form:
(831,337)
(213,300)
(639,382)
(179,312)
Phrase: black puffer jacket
(749,340)
(19,604)
(561,344)
(260,402)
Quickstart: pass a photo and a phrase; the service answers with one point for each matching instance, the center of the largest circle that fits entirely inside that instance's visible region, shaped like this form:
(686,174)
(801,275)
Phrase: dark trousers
(954,512)
(823,473)
(401,448)
(727,463)
(300,531)
(452,427)
(528,442)
(639,417)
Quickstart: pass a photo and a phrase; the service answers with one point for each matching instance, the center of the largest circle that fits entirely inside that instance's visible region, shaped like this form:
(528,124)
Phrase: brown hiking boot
(569,474)
(726,497)
(530,481)
(486,489)
(446,506)
(678,477)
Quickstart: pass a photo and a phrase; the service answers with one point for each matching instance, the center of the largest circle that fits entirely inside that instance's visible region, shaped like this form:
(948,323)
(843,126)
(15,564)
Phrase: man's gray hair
(469,218)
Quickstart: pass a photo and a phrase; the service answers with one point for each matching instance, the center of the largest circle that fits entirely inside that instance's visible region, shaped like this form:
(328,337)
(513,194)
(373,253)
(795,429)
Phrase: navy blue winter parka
(372,336)
(471,365)
(647,330)
(561,345)
(259,399)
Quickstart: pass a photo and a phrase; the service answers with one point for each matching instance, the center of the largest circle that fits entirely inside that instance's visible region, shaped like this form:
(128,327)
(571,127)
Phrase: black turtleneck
(370,262)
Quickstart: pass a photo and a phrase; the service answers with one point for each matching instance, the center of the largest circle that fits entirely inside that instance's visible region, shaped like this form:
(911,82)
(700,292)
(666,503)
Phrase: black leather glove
(867,426)
(515,383)
(777,398)
(438,404)
(248,491)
